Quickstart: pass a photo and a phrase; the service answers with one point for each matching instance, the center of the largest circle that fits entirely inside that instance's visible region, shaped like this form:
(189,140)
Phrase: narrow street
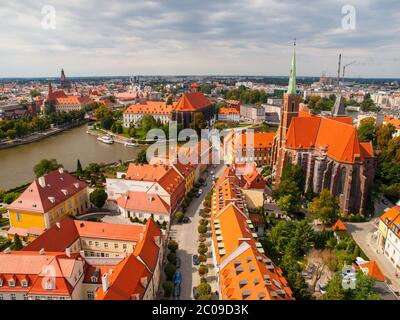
(187,237)
(363,234)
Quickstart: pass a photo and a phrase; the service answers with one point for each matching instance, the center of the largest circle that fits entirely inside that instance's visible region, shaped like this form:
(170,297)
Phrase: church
(326,148)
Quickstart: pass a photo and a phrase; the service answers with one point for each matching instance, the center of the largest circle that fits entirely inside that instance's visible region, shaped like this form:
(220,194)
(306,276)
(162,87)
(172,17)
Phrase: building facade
(159,110)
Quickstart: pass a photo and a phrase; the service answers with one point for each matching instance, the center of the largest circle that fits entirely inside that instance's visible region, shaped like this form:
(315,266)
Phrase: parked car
(178,278)
(200,191)
(213,178)
(178,262)
(196,261)
(204,184)
(185,220)
(195,293)
(177,291)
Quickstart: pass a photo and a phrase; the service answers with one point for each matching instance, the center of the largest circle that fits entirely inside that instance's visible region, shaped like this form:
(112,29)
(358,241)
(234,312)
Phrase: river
(16,164)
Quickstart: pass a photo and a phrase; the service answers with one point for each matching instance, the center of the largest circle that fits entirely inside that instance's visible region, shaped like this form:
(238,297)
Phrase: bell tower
(290,110)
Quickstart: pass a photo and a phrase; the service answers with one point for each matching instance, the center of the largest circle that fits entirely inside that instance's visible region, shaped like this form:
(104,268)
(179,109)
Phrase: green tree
(204,289)
(98,198)
(102,112)
(171,257)
(141,158)
(179,215)
(334,290)
(46,166)
(168,286)
(10,197)
(203,270)
(325,207)
(172,245)
(365,288)
(366,130)
(148,122)
(17,243)
(170,270)
(202,229)
(79,170)
(107,122)
(132,132)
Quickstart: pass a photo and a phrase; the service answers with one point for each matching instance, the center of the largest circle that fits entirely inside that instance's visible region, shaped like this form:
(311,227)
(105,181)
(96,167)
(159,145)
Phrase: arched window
(342,180)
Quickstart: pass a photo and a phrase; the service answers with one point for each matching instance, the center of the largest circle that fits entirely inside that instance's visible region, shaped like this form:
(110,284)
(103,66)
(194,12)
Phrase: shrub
(171,258)
(202,250)
(169,270)
(168,286)
(202,229)
(202,258)
(203,222)
(207,210)
(172,245)
(179,216)
(202,238)
(206,297)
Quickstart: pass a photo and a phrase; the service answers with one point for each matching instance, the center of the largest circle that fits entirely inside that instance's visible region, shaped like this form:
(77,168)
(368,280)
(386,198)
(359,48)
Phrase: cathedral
(326,148)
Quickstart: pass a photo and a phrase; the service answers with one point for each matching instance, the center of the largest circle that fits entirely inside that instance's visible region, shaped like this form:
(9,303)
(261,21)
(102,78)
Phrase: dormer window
(11,283)
(24,283)
(49,284)
(94,279)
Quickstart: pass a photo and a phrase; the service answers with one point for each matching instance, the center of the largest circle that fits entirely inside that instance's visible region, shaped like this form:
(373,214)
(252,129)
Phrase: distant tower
(290,110)
(339,109)
(65,84)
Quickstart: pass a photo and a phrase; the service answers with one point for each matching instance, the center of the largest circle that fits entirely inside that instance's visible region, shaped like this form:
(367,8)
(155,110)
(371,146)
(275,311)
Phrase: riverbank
(116,137)
(38,136)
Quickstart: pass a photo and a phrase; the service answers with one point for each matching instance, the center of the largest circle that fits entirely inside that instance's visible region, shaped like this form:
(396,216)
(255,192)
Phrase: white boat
(106,139)
(131,144)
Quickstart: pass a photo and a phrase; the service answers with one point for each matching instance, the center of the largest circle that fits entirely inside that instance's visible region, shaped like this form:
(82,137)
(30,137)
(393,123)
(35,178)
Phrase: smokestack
(105,282)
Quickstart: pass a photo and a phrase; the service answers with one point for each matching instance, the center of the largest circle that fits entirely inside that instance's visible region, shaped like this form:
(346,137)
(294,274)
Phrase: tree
(179,215)
(366,130)
(141,158)
(10,197)
(170,101)
(334,290)
(170,270)
(325,207)
(198,122)
(148,122)
(132,132)
(79,170)
(171,257)
(17,243)
(172,245)
(365,288)
(203,270)
(204,289)
(98,198)
(107,122)
(202,229)
(46,166)
(102,112)
(168,286)
(202,250)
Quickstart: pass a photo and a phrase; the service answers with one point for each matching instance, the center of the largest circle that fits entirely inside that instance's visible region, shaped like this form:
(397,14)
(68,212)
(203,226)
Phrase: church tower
(290,110)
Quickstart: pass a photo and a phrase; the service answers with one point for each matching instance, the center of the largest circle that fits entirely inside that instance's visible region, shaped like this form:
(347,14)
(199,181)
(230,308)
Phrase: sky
(198,37)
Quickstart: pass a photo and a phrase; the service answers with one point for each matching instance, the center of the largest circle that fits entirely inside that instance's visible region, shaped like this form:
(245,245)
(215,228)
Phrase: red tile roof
(58,186)
(257,140)
(339,139)
(142,201)
(228,111)
(193,101)
(339,226)
(150,107)
(373,270)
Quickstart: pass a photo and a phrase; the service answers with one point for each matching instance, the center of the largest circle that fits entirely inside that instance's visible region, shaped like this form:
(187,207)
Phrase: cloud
(127,37)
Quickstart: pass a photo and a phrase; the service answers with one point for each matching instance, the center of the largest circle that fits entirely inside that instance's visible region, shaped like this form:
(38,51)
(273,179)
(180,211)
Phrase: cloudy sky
(246,37)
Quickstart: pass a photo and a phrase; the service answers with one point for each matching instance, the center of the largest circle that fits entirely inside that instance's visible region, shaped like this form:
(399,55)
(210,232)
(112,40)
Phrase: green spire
(292,78)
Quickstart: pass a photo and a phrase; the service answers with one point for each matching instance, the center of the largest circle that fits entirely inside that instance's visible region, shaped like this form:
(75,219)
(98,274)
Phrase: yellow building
(47,200)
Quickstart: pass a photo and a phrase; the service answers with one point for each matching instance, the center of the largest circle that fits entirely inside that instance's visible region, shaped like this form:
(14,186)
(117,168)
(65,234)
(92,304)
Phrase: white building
(158,109)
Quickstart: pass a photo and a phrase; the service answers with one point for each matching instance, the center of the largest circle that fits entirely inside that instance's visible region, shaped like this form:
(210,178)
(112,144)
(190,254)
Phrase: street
(187,237)
(363,234)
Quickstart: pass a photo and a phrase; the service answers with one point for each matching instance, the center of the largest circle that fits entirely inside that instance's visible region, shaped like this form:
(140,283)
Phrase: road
(187,237)
(363,234)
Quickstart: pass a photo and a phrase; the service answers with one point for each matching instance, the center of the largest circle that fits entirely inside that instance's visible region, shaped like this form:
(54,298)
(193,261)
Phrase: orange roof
(192,101)
(339,139)
(263,140)
(150,107)
(75,100)
(228,111)
(59,237)
(247,174)
(347,120)
(393,121)
(339,226)
(130,279)
(58,186)
(142,201)
(392,218)
(373,270)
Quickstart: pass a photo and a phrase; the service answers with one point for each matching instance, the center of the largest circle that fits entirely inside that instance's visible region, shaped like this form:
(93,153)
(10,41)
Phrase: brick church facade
(328,151)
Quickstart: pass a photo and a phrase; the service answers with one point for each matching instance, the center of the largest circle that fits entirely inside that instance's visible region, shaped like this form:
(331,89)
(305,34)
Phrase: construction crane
(344,68)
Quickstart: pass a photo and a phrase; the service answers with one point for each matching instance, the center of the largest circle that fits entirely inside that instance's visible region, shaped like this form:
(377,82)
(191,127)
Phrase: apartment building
(159,110)
(253,113)
(228,115)
(243,270)
(45,274)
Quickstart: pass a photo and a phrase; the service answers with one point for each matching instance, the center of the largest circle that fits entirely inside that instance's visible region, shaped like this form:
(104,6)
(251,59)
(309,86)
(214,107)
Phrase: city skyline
(192,38)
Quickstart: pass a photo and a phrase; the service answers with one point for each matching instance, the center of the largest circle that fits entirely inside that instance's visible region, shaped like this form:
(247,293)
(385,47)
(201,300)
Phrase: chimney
(68,252)
(58,225)
(42,182)
(61,170)
(42,252)
(105,281)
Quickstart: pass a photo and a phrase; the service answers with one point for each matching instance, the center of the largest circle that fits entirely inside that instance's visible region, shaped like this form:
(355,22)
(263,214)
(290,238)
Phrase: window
(1,297)
(26,297)
(96,244)
(116,245)
(90,243)
(19,217)
(13,296)
(90,295)
(105,245)
(124,246)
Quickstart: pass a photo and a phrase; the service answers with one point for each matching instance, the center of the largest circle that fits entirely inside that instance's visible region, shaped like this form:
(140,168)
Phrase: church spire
(292,78)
